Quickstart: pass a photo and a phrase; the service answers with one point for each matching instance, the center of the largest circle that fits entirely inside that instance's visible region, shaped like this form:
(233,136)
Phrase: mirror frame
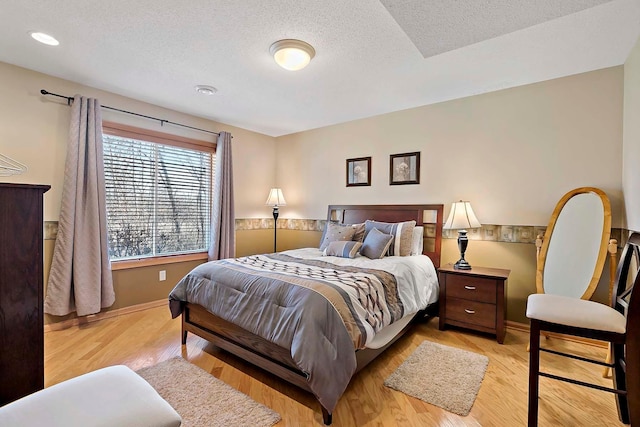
(604,242)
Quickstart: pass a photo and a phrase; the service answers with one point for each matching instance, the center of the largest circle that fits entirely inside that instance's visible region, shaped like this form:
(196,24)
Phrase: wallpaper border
(488,232)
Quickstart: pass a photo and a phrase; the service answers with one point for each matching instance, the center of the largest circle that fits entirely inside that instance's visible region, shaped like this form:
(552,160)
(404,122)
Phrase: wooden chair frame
(542,245)
(625,346)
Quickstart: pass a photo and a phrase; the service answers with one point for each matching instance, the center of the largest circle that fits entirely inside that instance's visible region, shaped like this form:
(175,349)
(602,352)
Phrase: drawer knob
(470,288)
(466,310)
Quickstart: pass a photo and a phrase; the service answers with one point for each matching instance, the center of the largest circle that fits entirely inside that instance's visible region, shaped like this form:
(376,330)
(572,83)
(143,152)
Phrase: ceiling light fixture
(292,54)
(206,90)
(44,38)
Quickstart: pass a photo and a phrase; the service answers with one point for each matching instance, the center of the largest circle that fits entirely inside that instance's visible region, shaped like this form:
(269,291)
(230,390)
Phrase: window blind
(158,198)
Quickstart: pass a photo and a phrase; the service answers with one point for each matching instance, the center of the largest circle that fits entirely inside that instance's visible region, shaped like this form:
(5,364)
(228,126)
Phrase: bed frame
(276,359)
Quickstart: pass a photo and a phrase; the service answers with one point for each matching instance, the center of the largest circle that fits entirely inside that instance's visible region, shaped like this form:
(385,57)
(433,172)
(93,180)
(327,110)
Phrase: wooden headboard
(428,216)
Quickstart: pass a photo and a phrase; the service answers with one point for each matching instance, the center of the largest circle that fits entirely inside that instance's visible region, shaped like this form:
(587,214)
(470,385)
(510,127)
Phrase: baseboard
(65,324)
(523,327)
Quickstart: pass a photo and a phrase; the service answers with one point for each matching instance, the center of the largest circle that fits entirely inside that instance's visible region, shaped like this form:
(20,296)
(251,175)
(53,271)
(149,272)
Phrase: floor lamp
(461,218)
(275,199)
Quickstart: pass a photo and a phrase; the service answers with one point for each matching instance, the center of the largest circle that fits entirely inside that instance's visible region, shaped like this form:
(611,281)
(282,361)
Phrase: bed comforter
(322,311)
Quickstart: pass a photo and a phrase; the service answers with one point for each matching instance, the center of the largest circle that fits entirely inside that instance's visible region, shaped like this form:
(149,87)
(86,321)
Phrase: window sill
(162,260)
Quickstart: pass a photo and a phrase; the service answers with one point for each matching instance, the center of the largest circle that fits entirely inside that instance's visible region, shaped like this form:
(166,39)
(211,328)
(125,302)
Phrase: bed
(267,306)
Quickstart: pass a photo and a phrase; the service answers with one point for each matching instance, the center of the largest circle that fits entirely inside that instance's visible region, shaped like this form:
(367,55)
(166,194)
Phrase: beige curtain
(223,237)
(80,278)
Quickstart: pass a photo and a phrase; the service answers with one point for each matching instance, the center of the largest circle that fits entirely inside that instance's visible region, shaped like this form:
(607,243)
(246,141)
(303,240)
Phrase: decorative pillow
(359,236)
(417,242)
(376,244)
(342,248)
(335,232)
(402,233)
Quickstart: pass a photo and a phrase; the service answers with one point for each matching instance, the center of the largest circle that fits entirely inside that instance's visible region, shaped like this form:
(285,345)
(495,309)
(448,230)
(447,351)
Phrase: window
(158,192)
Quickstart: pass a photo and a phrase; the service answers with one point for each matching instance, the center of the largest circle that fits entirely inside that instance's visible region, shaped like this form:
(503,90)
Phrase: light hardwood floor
(147,337)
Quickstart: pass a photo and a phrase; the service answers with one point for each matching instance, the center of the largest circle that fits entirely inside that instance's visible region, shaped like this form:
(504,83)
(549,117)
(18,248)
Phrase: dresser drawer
(471,312)
(472,288)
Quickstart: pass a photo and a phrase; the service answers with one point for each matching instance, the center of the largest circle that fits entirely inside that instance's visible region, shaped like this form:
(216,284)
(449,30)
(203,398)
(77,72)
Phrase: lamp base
(275,229)
(462,264)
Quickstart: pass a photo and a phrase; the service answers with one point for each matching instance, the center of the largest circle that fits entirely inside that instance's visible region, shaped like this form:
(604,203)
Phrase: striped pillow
(402,233)
(343,249)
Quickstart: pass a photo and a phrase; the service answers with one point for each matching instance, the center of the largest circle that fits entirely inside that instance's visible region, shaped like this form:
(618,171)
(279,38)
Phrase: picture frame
(404,168)
(359,172)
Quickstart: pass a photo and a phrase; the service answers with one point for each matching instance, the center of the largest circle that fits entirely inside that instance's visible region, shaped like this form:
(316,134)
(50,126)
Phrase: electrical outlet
(163,275)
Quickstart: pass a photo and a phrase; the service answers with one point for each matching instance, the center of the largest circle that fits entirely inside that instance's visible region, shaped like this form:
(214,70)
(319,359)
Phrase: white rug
(443,376)
(203,400)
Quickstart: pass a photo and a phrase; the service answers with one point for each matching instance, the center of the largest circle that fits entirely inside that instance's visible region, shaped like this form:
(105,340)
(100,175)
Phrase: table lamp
(461,218)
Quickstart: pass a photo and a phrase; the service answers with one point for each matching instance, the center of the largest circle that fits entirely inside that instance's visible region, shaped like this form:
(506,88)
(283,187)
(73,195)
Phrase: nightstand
(474,299)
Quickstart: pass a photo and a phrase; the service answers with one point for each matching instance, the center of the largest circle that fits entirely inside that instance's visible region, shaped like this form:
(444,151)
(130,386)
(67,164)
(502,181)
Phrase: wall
(512,153)
(34,129)
(631,139)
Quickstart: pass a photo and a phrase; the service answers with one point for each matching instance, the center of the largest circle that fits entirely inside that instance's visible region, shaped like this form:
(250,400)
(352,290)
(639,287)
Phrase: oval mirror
(575,243)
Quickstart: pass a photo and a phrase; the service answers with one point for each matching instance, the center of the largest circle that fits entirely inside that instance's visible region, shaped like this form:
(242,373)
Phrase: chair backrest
(574,248)
(623,298)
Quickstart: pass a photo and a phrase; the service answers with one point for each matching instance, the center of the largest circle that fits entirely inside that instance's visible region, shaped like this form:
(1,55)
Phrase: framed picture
(404,168)
(359,172)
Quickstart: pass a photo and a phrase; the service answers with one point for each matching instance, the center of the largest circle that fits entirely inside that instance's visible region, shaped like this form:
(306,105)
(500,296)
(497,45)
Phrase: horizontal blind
(158,198)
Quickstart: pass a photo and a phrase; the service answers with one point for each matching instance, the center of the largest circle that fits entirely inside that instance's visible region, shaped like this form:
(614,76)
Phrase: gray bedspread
(314,308)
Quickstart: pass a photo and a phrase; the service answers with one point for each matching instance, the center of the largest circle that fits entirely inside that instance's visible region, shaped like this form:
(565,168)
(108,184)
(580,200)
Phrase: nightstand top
(497,273)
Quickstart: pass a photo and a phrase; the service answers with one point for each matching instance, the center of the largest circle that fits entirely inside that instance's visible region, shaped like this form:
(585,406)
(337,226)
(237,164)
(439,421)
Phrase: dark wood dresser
(474,299)
(21,290)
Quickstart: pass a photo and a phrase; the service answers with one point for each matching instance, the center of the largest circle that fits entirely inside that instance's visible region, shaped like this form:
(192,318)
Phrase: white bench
(113,396)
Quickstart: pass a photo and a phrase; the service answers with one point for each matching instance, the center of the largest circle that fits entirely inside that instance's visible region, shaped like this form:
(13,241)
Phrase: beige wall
(512,153)
(34,129)
(631,138)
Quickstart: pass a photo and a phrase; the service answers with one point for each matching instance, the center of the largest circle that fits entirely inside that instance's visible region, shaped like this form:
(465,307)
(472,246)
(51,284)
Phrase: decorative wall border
(488,232)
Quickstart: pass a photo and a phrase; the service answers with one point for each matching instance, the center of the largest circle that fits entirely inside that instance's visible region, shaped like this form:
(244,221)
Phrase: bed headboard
(429,216)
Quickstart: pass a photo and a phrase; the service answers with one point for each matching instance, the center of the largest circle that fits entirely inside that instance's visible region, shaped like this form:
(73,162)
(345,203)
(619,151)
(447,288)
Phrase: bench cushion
(113,396)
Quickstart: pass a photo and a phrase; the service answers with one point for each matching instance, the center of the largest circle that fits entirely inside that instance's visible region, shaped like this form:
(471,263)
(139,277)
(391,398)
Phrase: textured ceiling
(438,26)
(366,59)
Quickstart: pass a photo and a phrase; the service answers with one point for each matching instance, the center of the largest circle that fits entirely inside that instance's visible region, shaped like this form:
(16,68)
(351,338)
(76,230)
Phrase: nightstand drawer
(472,288)
(471,312)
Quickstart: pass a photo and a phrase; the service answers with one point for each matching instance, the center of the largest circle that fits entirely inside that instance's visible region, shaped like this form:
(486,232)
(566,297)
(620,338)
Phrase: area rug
(443,376)
(203,400)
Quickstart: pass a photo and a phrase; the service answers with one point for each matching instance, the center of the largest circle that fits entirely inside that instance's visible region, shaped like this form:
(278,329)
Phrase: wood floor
(147,337)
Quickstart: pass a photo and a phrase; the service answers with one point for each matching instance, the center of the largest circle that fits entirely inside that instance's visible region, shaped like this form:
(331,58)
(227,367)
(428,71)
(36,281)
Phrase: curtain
(223,238)
(80,277)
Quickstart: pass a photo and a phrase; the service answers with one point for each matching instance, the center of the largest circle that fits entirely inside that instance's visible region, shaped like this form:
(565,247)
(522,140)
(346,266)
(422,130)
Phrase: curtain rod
(162,121)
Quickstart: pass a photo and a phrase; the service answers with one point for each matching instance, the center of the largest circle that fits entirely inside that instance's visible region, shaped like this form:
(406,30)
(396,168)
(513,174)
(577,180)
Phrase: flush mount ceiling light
(206,90)
(292,54)
(44,38)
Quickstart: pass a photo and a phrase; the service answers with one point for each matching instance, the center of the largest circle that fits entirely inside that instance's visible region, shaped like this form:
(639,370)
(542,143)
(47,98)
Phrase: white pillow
(417,242)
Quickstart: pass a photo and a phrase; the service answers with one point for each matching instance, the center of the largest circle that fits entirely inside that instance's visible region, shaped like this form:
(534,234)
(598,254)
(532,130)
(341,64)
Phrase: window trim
(126,264)
(126,131)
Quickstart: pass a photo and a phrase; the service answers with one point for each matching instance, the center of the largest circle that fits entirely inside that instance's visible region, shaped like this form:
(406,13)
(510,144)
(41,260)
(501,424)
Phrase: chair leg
(632,379)
(534,370)
(605,371)
(528,345)
(620,382)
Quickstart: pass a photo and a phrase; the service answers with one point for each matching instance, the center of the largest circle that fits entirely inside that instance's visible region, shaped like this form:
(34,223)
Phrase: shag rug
(443,376)
(203,400)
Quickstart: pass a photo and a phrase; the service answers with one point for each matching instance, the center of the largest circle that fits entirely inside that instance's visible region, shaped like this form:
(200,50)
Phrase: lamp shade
(461,217)
(275,198)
